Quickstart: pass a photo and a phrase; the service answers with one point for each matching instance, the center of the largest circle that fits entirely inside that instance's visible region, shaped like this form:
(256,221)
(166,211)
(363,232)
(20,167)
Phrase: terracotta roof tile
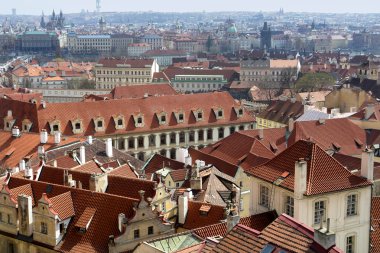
(85,218)
(194,218)
(63,205)
(320,168)
(139,91)
(281,111)
(128,108)
(375,223)
(340,135)
(134,63)
(103,224)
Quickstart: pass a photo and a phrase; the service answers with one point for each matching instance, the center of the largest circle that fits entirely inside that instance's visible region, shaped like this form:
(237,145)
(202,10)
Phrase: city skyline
(70,6)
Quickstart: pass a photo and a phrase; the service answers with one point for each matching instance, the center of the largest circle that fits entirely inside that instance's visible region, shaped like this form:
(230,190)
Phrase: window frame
(352,210)
(320,211)
(289,205)
(264,196)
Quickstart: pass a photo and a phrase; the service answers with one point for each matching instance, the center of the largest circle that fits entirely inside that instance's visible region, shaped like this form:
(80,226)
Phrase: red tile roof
(257,222)
(139,91)
(103,224)
(349,138)
(129,108)
(63,205)
(285,233)
(324,173)
(123,171)
(158,162)
(121,186)
(194,219)
(375,223)
(23,146)
(281,111)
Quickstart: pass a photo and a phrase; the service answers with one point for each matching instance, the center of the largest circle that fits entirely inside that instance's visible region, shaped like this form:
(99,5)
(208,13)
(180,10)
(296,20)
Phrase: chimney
(25,215)
(98,182)
(89,139)
(68,179)
(369,110)
(322,121)
(43,103)
(324,110)
(43,136)
(196,180)
(41,150)
(233,218)
(183,207)
(15,132)
(9,113)
(261,134)
(324,236)
(121,222)
(57,138)
(109,149)
(82,154)
(28,173)
(22,165)
(366,170)
(300,178)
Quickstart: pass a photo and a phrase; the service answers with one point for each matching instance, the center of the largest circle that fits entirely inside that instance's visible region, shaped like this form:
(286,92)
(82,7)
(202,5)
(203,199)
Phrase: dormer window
(9,121)
(77,126)
(162,118)
(119,122)
(218,113)
(139,120)
(55,126)
(239,111)
(99,124)
(180,116)
(198,114)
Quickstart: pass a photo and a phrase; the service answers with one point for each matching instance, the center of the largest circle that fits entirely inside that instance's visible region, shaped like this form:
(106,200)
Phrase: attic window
(100,124)
(204,210)
(336,146)
(240,112)
(358,142)
(119,122)
(220,113)
(77,126)
(180,117)
(139,120)
(55,128)
(199,115)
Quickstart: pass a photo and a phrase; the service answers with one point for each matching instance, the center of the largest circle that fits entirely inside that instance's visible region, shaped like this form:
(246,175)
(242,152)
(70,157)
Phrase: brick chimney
(183,205)
(300,178)
(366,170)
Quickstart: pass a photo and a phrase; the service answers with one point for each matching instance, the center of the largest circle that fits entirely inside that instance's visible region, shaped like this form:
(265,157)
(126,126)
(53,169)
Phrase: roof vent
(15,132)
(322,121)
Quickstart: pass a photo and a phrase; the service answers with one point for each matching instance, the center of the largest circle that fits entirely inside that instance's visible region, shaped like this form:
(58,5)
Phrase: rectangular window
(9,219)
(352,205)
(131,143)
(150,230)
(264,196)
(350,244)
(1,217)
(319,211)
(44,229)
(136,233)
(289,206)
(163,207)
(241,205)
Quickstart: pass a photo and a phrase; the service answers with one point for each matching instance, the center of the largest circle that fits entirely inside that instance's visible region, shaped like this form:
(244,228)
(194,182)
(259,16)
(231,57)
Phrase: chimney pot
(82,154)
(109,149)
(57,137)
(43,136)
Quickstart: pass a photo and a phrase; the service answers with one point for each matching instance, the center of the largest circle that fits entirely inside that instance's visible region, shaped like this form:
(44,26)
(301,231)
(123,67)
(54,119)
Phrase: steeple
(42,22)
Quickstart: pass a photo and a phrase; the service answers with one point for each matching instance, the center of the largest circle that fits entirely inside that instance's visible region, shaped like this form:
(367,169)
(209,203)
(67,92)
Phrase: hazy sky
(70,6)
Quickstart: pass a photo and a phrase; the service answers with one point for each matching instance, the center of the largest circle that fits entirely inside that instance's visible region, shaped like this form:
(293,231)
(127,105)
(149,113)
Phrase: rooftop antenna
(97,6)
